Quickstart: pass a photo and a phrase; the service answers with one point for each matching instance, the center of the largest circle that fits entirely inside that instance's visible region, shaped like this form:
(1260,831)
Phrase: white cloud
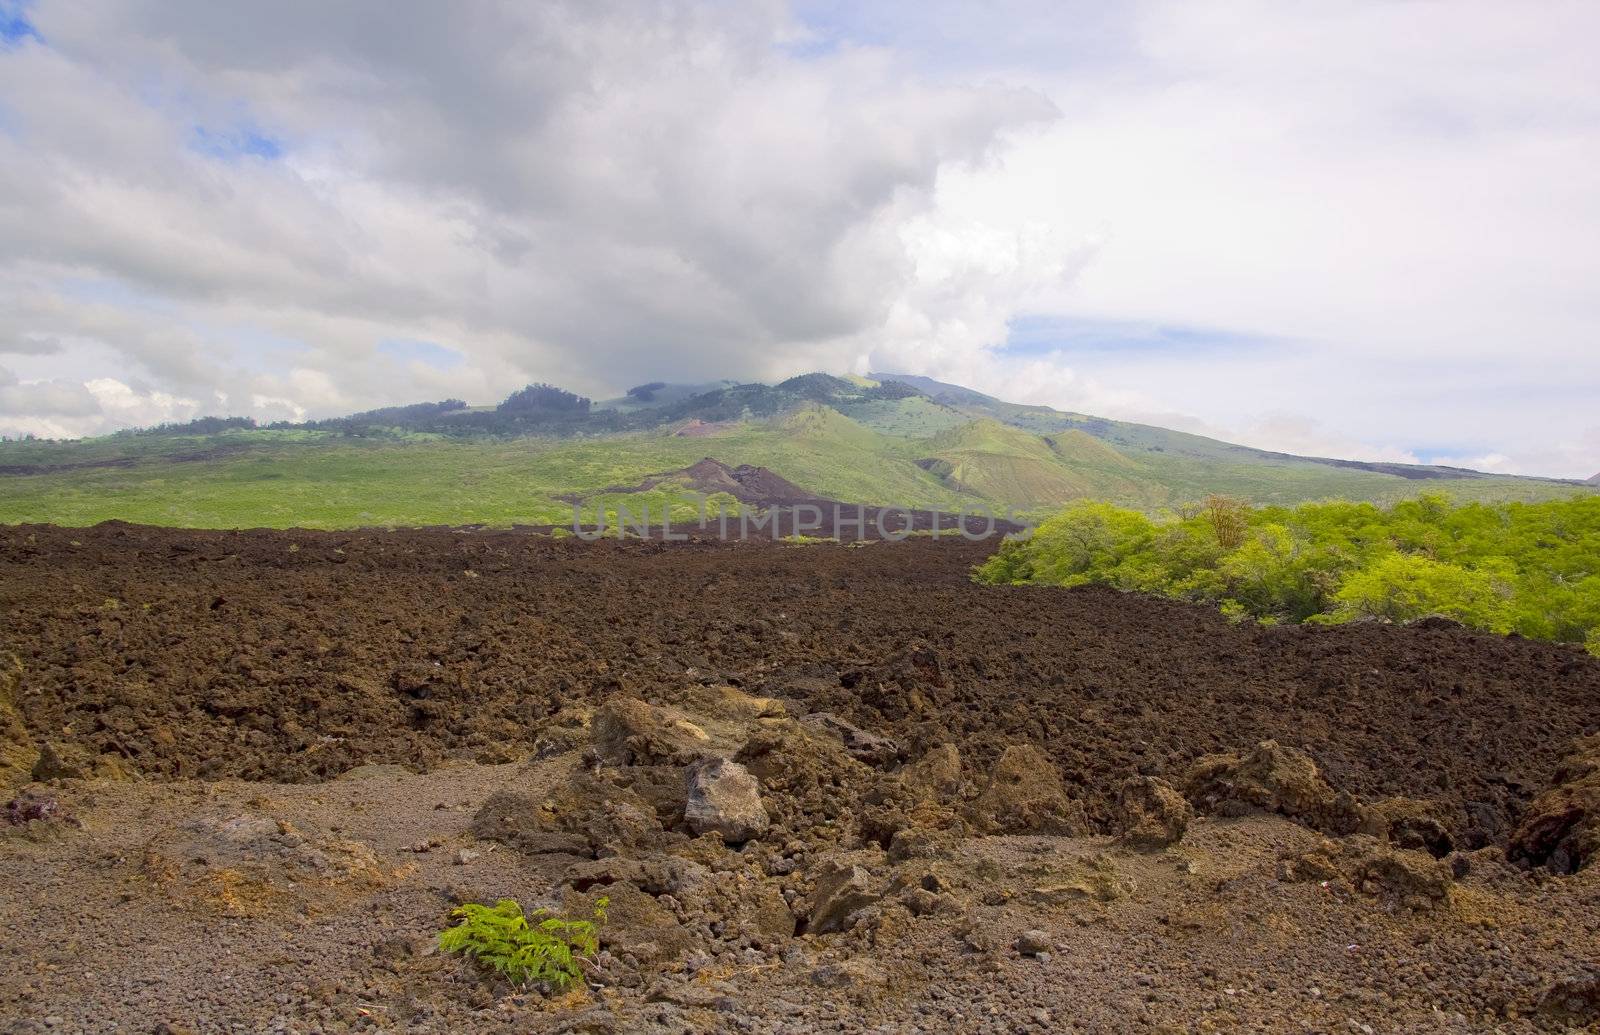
(1574,456)
(1291,433)
(1494,462)
(1395,196)
(124,404)
(276,407)
(65,408)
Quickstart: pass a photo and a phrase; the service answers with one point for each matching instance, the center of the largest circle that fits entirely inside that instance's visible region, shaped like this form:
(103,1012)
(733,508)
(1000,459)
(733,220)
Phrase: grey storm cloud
(30,345)
(564,188)
(54,398)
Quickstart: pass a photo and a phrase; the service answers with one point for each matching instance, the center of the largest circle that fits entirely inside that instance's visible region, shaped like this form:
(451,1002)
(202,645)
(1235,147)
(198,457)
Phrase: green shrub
(1530,568)
(501,938)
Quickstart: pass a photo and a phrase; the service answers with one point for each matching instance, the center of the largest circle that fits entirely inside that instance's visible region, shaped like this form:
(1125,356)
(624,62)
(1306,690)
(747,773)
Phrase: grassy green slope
(1010,467)
(328,482)
(1179,479)
(345,484)
(916,417)
(834,456)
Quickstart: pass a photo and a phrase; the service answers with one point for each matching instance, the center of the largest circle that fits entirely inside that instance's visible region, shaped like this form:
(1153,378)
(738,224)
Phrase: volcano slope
(265,765)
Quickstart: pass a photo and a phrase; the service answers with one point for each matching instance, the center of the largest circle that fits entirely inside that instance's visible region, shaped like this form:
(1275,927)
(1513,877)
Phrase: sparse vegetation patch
(501,937)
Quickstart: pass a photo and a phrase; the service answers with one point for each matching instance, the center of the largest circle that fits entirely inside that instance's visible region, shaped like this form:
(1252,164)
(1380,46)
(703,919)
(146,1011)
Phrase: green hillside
(997,462)
(881,440)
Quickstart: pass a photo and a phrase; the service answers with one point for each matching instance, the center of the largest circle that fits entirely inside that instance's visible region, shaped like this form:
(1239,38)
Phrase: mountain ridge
(889,440)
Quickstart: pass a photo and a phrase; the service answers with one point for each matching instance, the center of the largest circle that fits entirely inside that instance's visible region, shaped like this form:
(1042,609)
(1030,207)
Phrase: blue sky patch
(234,143)
(953,37)
(1033,335)
(110,291)
(431,353)
(832,25)
(14,25)
(260,351)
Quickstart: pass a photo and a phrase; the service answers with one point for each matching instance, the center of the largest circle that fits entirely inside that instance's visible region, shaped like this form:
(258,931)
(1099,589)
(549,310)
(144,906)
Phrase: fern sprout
(502,938)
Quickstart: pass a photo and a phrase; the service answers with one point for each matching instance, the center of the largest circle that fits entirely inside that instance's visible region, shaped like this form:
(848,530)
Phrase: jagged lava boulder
(1025,796)
(627,731)
(1150,814)
(843,884)
(724,799)
(1561,829)
(861,745)
(1271,778)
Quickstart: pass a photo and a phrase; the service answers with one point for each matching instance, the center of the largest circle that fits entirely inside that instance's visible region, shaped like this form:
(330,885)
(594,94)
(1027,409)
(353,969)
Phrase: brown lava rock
(1271,778)
(586,817)
(1561,829)
(1151,814)
(1399,877)
(1025,796)
(627,731)
(724,799)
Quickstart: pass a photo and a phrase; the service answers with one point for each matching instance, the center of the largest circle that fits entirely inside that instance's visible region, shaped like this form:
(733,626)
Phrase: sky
(1366,230)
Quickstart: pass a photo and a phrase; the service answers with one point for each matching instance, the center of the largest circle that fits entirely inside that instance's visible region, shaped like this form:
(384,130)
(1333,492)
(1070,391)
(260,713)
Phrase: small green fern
(501,938)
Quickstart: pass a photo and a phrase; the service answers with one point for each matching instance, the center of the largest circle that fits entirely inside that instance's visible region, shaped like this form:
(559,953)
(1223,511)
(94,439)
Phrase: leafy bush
(501,938)
(1530,568)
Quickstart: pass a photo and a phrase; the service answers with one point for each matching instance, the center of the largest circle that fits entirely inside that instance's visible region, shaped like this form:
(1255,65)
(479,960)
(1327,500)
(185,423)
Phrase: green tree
(1088,542)
(1403,586)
